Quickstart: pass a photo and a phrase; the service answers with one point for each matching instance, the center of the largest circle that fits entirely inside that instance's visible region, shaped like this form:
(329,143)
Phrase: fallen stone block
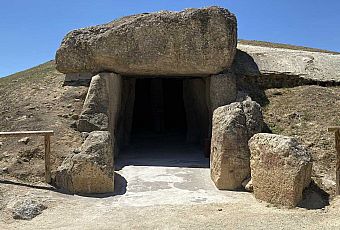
(280,169)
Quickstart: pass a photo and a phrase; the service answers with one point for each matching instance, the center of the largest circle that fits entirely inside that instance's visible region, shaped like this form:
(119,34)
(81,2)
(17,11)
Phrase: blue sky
(31,31)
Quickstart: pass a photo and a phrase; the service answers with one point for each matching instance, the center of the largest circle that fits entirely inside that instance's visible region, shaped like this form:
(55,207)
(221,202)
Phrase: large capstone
(91,170)
(232,127)
(191,42)
(280,169)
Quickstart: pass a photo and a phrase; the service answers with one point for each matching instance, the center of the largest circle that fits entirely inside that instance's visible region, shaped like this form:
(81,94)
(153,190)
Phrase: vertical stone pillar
(223,90)
(102,105)
(196,109)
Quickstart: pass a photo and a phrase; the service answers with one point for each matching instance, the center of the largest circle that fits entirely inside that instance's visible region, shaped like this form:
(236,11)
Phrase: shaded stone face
(191,42)
(91,170)
(232,127)
(280,168)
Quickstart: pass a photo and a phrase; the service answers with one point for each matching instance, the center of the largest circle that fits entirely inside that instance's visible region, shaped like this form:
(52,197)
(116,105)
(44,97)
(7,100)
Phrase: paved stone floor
(173,173)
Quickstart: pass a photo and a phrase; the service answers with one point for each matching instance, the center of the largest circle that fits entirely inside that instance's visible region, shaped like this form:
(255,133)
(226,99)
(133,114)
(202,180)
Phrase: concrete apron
(172,173)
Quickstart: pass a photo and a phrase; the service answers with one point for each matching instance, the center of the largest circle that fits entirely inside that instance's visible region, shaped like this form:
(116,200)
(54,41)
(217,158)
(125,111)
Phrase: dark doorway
(160,126)
(159,108)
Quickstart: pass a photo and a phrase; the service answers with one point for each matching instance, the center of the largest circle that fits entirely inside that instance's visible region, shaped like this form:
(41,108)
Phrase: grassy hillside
(35,72)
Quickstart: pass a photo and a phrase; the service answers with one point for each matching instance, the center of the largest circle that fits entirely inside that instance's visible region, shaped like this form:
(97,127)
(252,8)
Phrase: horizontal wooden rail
(336,130)
(27,133)
(47,135)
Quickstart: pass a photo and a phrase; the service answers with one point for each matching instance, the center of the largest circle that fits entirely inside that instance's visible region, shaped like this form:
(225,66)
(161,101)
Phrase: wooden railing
(336,130)
(47,135)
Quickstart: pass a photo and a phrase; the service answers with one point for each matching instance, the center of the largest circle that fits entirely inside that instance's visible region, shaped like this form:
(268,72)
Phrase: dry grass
(305,112)
(283,46)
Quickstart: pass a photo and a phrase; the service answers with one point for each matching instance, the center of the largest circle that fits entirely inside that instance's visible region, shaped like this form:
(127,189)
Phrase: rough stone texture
(280,168)
(91,170)
(223,90)
(277,67)
(102,105)
(126,113)
(230,155)
(27,209)
(196,109)
(70,77)
(191,42)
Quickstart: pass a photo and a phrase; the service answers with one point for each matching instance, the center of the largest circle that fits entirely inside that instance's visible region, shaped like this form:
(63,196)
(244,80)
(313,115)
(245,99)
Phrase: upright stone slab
(280,168)
(223,90)
(91,170)
(192,42)
(196,109)
(230,156)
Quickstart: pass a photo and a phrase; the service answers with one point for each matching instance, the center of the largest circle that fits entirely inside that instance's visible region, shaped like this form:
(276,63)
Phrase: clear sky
(31,30)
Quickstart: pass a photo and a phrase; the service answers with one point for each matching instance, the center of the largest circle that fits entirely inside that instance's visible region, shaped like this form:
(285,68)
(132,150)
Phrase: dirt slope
(36,100)
(305,112)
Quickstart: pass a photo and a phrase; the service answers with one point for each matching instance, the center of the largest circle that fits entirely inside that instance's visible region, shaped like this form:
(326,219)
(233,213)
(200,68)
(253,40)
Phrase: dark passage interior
(167,113)
(159,109)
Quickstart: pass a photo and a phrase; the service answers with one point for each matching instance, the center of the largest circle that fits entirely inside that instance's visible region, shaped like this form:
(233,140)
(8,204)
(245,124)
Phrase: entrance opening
(159,109)
(161,118)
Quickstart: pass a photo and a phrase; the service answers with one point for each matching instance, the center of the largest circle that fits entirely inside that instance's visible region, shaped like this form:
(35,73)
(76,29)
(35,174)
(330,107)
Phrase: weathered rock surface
(102,103)
(232,127)
(196,109)
(190,42)
(278,67)
(280,168)
(27,209)
(91,170)
(223,90)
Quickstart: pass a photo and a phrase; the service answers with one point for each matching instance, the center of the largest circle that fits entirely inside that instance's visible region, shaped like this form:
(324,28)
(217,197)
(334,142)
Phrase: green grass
(32,73)
(283,46)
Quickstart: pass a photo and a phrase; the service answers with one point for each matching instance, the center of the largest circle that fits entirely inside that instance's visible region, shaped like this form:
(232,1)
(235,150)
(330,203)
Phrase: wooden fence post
(336,130)
(48,158)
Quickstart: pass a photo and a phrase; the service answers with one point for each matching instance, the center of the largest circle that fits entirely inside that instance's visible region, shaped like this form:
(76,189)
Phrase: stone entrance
(159,108)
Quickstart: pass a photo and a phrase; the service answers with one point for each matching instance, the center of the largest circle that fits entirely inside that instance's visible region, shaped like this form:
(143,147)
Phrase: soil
(37,100)
(306,112)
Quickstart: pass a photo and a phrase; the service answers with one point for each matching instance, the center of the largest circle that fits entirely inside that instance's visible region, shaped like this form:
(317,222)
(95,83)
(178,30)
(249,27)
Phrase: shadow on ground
(314,197)
(120,185)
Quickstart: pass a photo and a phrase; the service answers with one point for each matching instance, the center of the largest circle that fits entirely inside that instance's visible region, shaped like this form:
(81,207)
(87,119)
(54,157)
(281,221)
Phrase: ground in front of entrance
(162,188)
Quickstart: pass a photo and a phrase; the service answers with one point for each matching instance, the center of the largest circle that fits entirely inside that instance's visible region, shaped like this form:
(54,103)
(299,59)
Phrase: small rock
(69,106)
(4,170)
(27,209)
(277,93)
(220,209)
(75,116)
(24,140)
(84,135)
(74,125)
(76,151)
(1,144)
(65,115)
(77,99)
(247,184)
